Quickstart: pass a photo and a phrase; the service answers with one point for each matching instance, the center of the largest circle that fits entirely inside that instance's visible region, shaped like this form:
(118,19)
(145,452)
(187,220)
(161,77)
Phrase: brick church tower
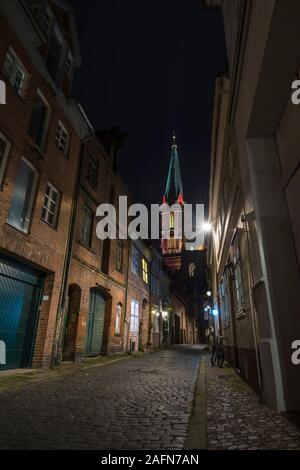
(172,247)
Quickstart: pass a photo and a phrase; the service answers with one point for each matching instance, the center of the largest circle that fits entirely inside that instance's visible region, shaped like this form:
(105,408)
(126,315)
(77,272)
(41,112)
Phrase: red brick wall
(43,246)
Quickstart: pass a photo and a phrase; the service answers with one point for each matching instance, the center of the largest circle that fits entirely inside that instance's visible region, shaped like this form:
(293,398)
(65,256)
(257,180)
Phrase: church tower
(172,247)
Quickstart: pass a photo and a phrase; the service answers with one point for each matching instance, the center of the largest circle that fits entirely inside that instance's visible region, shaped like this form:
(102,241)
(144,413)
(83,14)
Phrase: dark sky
(148,68)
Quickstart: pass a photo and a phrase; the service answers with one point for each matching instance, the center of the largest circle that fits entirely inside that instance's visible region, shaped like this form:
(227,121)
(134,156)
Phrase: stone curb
(197,435)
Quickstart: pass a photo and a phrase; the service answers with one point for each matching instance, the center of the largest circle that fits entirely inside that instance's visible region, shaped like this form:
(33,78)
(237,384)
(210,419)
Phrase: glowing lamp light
(208,293)
(207,227)
(214,312)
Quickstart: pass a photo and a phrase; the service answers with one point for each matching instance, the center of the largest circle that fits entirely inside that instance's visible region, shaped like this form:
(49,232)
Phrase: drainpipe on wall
(126,321)
(58,330)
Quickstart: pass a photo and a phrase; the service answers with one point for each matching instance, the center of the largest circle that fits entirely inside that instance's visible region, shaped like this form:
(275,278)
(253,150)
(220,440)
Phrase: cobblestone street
(236,419)
(137,403)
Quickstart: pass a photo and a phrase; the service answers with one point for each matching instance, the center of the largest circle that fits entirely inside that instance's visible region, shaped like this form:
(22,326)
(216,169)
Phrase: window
(118,319)
(15,72)
(87,227)
(145,270)
(92,171)
(4,151)
(119,257)
(69,64)
(54,58)
(46,20)
(156,322)
(39,120)
(134,261)
(238,281)
(50,206)
(171,220)
(224,297)
(134,317)
(154,285)
(62,138)
(192,269)
(22,201)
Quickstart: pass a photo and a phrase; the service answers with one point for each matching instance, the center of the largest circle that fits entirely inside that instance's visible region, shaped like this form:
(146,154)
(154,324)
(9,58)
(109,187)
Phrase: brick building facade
(39,137)
(65,293)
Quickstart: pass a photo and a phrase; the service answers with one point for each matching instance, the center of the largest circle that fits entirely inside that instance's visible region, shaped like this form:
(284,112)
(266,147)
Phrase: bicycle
(217,352)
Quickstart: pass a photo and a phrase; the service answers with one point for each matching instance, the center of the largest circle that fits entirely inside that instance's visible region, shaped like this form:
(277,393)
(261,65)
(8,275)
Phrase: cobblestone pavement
(237,420)
(137,403)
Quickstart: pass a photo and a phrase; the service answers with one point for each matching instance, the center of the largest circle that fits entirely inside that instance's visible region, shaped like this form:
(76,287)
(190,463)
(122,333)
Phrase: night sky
(149,67)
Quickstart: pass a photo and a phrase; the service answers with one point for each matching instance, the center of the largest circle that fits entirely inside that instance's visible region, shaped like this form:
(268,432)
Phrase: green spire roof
(174,183)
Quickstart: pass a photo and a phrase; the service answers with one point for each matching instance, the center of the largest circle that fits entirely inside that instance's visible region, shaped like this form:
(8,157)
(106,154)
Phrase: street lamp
(207,226)
(208,293)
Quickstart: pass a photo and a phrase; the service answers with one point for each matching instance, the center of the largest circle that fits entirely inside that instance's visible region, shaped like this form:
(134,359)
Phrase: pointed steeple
(174,192)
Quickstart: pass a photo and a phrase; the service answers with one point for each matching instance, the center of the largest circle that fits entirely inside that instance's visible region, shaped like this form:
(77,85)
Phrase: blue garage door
(20,297)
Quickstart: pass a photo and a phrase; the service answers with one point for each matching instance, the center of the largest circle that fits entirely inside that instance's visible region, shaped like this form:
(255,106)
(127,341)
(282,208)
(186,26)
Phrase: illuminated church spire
(173,199)
(174,191)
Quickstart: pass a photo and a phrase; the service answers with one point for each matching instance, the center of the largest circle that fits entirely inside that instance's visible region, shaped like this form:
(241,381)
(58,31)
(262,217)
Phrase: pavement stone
(136,403)
(236,418)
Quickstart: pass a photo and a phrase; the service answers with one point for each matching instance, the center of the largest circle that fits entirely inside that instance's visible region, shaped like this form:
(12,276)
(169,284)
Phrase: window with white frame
(238,279)
(62,138)
(134,317)
(118,319)
(51,204)
(15,72)
(224,299)
(39,121)
(22,201)
(4,151)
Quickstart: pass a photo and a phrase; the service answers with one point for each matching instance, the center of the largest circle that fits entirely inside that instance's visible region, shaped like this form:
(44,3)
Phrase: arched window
(192,269)
(118,319)
(171,220)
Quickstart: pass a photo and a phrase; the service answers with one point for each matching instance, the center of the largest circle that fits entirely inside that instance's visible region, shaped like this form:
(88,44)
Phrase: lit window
(62,138)
(22,200)
(171,220)
(192,269)
(87,227)
(50,206)
(118,319)
(4,151)
(134,317)
(39,120)
(145,270)
(119,257)
(92,171)
(15,72)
